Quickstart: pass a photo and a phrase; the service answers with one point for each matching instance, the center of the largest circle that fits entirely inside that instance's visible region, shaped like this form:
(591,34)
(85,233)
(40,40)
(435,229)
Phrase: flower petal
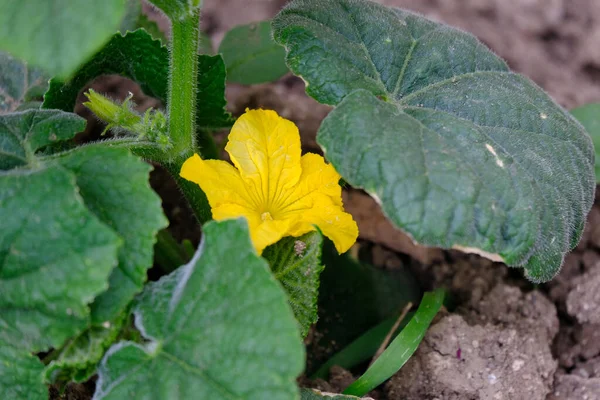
(336,224)
(317,177)
(262,233)
(219,180)
(231,211)
(268,233)
(266,150)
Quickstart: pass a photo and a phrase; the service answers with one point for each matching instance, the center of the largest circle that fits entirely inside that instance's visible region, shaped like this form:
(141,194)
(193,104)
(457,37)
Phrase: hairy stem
(181,107)
(181,102)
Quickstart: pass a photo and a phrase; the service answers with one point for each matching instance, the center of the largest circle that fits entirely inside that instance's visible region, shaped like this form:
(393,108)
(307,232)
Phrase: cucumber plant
(459,151)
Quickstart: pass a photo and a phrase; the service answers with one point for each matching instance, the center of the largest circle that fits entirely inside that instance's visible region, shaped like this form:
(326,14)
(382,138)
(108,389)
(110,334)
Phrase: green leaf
(219,327)
(21,375)
(18,83)
(177,9)
(66,217)
(354,297)
(251,56)
(460,152)
(23,133)
(589,116)
(114,186)
(210,101)
(401,348)
(57,35)
(79,358)
(135,55)
(146,61)
(313,394)
(55,256)
(296,263)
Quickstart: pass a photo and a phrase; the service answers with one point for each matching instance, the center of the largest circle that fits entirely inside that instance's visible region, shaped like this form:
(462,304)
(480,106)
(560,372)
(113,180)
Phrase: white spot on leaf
(499,162)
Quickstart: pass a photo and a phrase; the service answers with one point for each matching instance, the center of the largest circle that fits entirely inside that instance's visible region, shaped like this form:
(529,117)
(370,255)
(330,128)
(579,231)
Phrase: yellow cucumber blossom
(280,192)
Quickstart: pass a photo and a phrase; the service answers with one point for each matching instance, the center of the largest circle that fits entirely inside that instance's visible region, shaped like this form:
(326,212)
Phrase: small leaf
(19,83)
(296,263)
(23,133)
(218,327)
(21,375)
(401,348)
(589,116)
(55,256)
(57,35)
(210,101)
(460,152)
(313,394)
(114,186)
(251,56)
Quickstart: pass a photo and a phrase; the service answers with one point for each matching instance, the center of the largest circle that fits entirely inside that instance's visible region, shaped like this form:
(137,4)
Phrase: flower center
(266,216)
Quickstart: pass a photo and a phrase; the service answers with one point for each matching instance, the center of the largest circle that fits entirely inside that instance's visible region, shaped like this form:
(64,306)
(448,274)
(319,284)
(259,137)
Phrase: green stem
(181,107)
(181,102)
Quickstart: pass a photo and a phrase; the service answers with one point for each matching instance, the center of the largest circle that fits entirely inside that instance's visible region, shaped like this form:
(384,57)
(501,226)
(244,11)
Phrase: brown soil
(507,339)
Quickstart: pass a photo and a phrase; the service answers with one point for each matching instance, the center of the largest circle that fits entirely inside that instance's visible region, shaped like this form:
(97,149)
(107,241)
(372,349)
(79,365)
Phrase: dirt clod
(583,300)
(573,387)
(460,361)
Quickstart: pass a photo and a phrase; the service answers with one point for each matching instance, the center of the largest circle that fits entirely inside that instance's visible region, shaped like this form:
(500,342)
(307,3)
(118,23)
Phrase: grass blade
(402,348)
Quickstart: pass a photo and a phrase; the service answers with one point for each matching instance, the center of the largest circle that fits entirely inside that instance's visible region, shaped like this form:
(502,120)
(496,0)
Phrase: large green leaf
(218,327)
(589,116)
(459,151)
(296,263)
(64,221)
(251,56)
(19,83)
(55,256)
(137,56)
(23,133)
(114,185)
(57,35)
(21,375)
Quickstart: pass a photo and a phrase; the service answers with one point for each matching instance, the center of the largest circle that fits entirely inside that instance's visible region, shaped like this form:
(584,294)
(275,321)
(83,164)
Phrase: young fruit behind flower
(280,192)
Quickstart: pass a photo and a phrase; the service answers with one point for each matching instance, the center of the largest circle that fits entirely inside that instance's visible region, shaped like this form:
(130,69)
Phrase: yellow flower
(280,192)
